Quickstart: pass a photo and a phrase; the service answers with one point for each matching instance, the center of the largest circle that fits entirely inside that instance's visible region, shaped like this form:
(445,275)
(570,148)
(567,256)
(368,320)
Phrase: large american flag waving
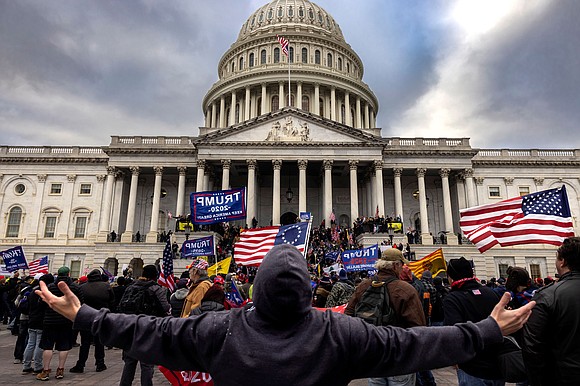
(166,277)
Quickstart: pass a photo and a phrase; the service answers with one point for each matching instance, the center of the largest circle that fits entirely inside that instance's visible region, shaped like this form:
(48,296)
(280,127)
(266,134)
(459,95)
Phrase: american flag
(255,243)
(166,277)
(284,43)
(537,218)
(38,266)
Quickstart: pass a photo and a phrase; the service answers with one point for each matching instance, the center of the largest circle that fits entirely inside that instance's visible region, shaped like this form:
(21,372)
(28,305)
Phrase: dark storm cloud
(82,71)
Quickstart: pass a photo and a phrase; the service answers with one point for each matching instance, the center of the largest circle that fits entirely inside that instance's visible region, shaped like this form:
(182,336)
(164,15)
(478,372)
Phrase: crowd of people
(454,299)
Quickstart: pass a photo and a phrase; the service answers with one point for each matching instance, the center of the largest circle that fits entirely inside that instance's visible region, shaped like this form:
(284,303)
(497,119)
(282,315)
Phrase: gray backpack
(374,306)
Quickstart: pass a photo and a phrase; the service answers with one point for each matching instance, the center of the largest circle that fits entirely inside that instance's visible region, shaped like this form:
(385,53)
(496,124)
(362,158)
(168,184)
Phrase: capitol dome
(326,74)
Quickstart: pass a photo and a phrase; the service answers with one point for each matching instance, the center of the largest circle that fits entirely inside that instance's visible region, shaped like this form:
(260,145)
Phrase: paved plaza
(10,374)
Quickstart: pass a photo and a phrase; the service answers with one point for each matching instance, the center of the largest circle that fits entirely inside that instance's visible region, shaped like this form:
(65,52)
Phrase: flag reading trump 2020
(360,259)
(218,206)
(14,259)
(202,246)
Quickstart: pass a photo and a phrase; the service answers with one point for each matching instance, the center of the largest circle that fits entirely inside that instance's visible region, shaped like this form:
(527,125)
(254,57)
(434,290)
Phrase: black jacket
(98,294)
(276,340)
(552,334)
(53,318)
(473,302)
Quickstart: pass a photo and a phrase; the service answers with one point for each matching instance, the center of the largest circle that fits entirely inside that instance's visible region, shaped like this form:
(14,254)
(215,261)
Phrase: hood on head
(94,275)
(282,286)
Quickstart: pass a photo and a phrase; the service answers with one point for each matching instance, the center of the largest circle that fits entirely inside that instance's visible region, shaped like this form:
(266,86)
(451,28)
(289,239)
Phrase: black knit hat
(459,269)
(150,272)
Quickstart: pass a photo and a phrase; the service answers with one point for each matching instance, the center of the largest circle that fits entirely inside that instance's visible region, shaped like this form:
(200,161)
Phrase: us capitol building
(317,151)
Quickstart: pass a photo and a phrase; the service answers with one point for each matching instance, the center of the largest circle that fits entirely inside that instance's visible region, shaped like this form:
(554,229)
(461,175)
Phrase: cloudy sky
(504,73)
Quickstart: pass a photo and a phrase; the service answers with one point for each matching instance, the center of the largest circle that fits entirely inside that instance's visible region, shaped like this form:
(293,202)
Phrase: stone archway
(136,266)
(112,265)
(288,218)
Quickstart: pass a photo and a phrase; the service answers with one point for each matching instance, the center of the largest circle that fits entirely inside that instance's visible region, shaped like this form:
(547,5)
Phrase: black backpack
(374,306)
(140,300)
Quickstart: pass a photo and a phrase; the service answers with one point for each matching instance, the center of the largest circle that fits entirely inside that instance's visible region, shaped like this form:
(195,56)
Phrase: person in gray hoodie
(278,338)
(178,297)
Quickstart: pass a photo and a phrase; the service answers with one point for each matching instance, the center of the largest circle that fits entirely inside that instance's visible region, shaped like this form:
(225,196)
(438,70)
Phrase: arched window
(305,55)
(14,220)
(276,55)
(227,117)
(291,100)
(342,114)
(339,64)
(233,67)
(348,67)
(305,103)
(237,116)
(251,63)
(329,60)
(275,103)
(317,57)
(263,57)
(291,54)
(241,67)
(321,108)
(259,106)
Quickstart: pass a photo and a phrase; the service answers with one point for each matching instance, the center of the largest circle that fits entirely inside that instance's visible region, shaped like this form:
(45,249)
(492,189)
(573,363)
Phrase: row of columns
(376,195)
(216,113)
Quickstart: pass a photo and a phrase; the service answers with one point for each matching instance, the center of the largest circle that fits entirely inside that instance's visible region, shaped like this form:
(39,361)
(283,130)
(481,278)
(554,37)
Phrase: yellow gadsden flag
(434,262)
(220,267)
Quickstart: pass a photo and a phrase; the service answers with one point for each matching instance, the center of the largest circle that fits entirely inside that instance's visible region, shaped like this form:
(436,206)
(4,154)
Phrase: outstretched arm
(509,321)
(67,305)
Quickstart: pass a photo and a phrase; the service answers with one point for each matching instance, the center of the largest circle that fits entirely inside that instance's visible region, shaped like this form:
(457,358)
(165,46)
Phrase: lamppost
(187,231)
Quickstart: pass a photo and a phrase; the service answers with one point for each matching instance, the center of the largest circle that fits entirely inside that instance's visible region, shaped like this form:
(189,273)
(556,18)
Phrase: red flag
(340,309)
(537,218)
(186,378)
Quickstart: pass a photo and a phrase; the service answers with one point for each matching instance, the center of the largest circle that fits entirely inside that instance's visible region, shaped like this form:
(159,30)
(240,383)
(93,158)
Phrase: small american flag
(166,277)
(537,218)
(284,43)
(38,266)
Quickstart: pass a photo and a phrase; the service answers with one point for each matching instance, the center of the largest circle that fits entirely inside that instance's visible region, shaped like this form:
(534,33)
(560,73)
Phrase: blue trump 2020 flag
(202,246)
(360,259)
(218,206)
(14,259)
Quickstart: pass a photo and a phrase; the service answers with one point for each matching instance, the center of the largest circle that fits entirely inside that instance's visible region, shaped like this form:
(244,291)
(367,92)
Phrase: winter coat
(472,302)
(276,340)
(176,300)
(98,294)
(193,298)
(551,341)
(53,318)
(340,294)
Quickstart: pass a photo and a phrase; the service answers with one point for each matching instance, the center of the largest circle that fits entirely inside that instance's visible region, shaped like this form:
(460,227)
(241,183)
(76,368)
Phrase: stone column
(426,238)
(281,97)
(353,165)
(469,186)
(367,123)
(398,192)
(152,235)
(358,114)
(374,203)
(127,236)
(107,205)
(327,164)
(180,191)
(206,177)
(378,165)
(233,109)
(251,199)
(302,165)
(316,99)
(264,99)
(200,175)
(299,95)
(247,104)
(333,103)
(226,164)
(213,114)
(451,236)
(223,111)
(277,163)
(35,229)
(347,117)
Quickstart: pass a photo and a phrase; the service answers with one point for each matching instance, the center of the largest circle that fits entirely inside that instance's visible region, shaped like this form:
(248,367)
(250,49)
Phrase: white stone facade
(324,147)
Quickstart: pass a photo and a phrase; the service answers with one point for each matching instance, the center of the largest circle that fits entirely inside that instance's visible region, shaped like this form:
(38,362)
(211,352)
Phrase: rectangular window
(75,268)
(502,269)
(50,227)
(85,189)
(494,192)
(535,271)
(524,190)
(80,227)
(55,188)
(13,227)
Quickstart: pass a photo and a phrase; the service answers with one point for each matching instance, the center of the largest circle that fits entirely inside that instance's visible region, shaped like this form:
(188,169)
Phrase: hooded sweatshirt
(277,340)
